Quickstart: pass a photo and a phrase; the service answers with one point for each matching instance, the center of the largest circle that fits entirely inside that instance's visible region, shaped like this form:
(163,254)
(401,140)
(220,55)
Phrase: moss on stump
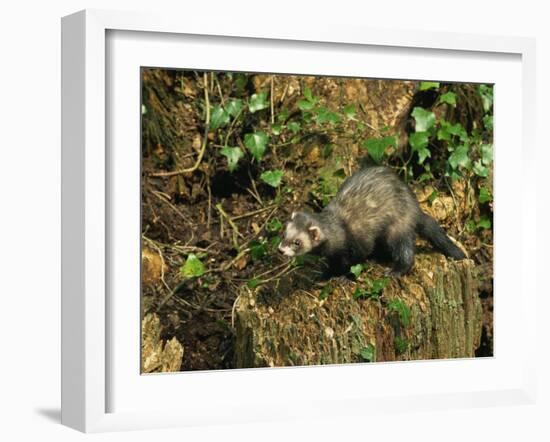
(294,326)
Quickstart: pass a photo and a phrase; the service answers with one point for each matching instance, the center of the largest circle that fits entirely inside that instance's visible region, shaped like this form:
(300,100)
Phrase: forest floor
(210,233)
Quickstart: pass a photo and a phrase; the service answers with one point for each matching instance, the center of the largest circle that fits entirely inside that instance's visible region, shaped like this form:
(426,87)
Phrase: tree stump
(158,355)
(291,327)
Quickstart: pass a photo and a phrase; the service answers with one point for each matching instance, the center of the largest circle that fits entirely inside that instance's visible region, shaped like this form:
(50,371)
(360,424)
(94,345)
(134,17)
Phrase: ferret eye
(297,242)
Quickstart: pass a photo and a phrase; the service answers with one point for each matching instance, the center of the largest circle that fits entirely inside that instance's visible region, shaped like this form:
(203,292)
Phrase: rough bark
(158,355)
(298,328)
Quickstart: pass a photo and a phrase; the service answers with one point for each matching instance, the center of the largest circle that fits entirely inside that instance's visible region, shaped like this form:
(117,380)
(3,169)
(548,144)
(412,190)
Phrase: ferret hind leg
(402,253)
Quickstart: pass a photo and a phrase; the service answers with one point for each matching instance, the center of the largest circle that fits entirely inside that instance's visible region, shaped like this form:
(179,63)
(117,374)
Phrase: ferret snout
(287,251)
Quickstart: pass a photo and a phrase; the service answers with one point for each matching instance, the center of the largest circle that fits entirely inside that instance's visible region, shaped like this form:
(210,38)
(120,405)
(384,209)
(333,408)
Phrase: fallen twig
(164,199)
(229,220)
(254,212)
(258,197)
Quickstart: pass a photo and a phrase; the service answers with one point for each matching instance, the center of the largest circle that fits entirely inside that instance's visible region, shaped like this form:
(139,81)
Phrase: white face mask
(286,250)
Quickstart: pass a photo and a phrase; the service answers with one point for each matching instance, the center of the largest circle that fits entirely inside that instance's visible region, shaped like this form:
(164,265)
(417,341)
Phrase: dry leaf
(152,266)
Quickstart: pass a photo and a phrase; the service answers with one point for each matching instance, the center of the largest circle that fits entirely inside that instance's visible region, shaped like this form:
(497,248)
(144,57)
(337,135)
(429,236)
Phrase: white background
(30,216)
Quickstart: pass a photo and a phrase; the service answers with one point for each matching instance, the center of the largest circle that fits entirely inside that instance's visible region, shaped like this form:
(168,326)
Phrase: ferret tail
(430,230)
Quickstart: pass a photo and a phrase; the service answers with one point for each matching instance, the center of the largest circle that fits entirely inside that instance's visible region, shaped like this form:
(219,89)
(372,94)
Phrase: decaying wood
(158,355)
(298,328)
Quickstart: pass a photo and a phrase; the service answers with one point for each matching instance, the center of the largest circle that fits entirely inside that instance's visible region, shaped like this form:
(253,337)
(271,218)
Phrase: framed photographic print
(260,223)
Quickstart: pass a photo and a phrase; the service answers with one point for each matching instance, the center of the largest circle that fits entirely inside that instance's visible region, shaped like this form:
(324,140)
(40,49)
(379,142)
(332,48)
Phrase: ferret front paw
(393,273)
(341,279)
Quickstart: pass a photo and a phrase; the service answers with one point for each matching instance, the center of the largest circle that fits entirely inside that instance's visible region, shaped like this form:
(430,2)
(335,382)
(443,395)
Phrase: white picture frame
(87,356)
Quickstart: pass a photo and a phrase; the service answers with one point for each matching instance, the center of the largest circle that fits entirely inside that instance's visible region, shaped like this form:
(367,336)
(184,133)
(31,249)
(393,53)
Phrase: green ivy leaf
(484,223)
(425,85)
(234,107)
(486,151)
(368,353)
(193,267)
(433,197)
(349,111)
(449,98)
(419,144)
(256,142)
(378,285)
(455,174)
(486,93)
(218,117)
(443,134)
(484,195)
(325,116)
(305,105)
(283,115)
(309,102)
(470,225)
(253,283)
(307,117)
(373,290)
(480,170)
(294,126)
(459,158)
(272,177)
(233,155)
(425,177)
(240,82)
(258,102)
(376,147)
(357,269)
(257,250)
(274,225)
(424,119)
(359,293)
(276,129)
(447,130)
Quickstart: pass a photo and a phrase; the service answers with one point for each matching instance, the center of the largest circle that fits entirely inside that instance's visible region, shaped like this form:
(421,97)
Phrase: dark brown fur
(373,214)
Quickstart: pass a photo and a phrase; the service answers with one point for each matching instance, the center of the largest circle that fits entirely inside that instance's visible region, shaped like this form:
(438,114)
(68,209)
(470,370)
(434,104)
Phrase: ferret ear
(315,233)
(293,215)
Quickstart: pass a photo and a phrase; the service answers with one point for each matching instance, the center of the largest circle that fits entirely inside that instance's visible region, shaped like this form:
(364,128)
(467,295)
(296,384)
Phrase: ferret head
(302,234)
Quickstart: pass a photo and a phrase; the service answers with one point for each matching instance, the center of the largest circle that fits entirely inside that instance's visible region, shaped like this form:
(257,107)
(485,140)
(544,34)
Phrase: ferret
(374,214)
